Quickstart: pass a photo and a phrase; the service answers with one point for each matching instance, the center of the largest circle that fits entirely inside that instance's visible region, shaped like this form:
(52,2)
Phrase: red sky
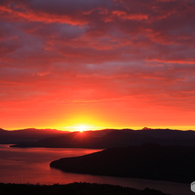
(99,63)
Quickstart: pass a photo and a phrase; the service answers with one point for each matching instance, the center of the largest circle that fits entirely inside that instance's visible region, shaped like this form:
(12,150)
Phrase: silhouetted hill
(27,135)
(2,130)
(73,189)
(116,138)
(149,161)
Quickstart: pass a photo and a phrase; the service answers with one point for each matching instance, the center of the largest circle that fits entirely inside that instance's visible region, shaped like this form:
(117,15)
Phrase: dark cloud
(69,7)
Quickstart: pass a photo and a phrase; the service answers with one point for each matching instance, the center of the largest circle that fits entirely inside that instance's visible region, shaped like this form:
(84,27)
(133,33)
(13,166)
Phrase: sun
(81,128)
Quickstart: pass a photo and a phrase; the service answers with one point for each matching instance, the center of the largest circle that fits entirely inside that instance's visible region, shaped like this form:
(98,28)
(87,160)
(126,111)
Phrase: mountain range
(110,138)
(27,135)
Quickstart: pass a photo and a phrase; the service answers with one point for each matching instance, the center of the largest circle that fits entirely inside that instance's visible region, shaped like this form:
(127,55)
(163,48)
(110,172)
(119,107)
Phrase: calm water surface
(31,165)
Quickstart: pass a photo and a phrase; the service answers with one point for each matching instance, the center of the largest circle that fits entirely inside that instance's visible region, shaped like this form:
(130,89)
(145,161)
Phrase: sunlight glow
(81,128)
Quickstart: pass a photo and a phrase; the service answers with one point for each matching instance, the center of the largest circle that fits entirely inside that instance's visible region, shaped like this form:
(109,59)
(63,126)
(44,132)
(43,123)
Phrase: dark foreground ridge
(114,138)
(149,161)
(73,189)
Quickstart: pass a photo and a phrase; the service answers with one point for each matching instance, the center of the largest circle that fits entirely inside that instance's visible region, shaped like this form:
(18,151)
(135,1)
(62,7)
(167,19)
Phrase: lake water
(31,165)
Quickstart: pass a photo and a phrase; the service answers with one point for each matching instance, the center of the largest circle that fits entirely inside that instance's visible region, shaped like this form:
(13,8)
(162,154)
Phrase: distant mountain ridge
(115,138)
(27,135)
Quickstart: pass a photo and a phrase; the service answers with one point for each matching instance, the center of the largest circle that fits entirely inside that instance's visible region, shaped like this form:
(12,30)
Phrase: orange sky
(100,63)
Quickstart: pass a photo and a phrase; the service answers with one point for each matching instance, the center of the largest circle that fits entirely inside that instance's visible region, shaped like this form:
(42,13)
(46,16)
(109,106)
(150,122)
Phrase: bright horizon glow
(93,128)
(81,128)
(86,127)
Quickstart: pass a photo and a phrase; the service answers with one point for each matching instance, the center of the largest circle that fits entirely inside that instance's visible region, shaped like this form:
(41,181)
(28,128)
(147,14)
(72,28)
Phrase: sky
(97,63)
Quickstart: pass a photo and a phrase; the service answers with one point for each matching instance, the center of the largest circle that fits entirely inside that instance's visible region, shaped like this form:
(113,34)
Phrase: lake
(31,165)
